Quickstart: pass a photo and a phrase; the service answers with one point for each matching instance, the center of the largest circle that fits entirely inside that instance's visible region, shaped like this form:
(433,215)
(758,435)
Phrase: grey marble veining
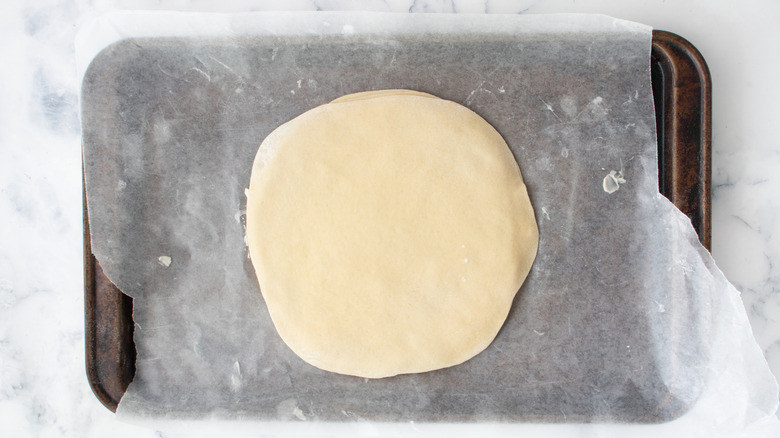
(43,388)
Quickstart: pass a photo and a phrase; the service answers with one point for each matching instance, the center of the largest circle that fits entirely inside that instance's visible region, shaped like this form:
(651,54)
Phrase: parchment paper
(623,318)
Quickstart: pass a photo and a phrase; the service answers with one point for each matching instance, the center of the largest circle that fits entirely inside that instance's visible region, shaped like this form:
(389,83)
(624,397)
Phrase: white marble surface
(43,387)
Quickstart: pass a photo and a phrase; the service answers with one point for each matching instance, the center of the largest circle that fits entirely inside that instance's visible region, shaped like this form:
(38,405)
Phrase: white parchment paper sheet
(624,317)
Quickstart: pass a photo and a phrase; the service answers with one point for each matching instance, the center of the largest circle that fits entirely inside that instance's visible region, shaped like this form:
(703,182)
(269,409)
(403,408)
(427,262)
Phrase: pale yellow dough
(390,232)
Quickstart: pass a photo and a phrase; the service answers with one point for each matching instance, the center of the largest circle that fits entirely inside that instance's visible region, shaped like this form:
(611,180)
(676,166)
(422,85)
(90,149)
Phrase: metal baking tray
(682,94)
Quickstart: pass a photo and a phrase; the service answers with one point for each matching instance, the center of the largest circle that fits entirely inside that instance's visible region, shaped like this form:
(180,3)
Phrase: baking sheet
(604,329)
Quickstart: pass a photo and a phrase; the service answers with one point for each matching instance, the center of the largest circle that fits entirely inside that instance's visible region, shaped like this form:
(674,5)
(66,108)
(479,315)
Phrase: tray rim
(685,131)
(684,142)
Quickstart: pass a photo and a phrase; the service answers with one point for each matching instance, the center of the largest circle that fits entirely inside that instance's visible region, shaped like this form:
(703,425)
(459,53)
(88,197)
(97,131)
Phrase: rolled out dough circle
(389,231)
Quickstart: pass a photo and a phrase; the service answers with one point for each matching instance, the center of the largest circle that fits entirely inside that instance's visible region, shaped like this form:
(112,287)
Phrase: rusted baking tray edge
(682,94)
(682,90)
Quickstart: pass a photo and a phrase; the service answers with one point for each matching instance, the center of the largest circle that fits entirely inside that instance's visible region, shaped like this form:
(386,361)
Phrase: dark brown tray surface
(682,94)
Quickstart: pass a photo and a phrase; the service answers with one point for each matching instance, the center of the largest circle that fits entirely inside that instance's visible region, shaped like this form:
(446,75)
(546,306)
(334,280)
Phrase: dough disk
(390,232)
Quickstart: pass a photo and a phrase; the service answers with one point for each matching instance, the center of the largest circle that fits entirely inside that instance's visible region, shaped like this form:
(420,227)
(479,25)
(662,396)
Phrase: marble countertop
(43,386)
